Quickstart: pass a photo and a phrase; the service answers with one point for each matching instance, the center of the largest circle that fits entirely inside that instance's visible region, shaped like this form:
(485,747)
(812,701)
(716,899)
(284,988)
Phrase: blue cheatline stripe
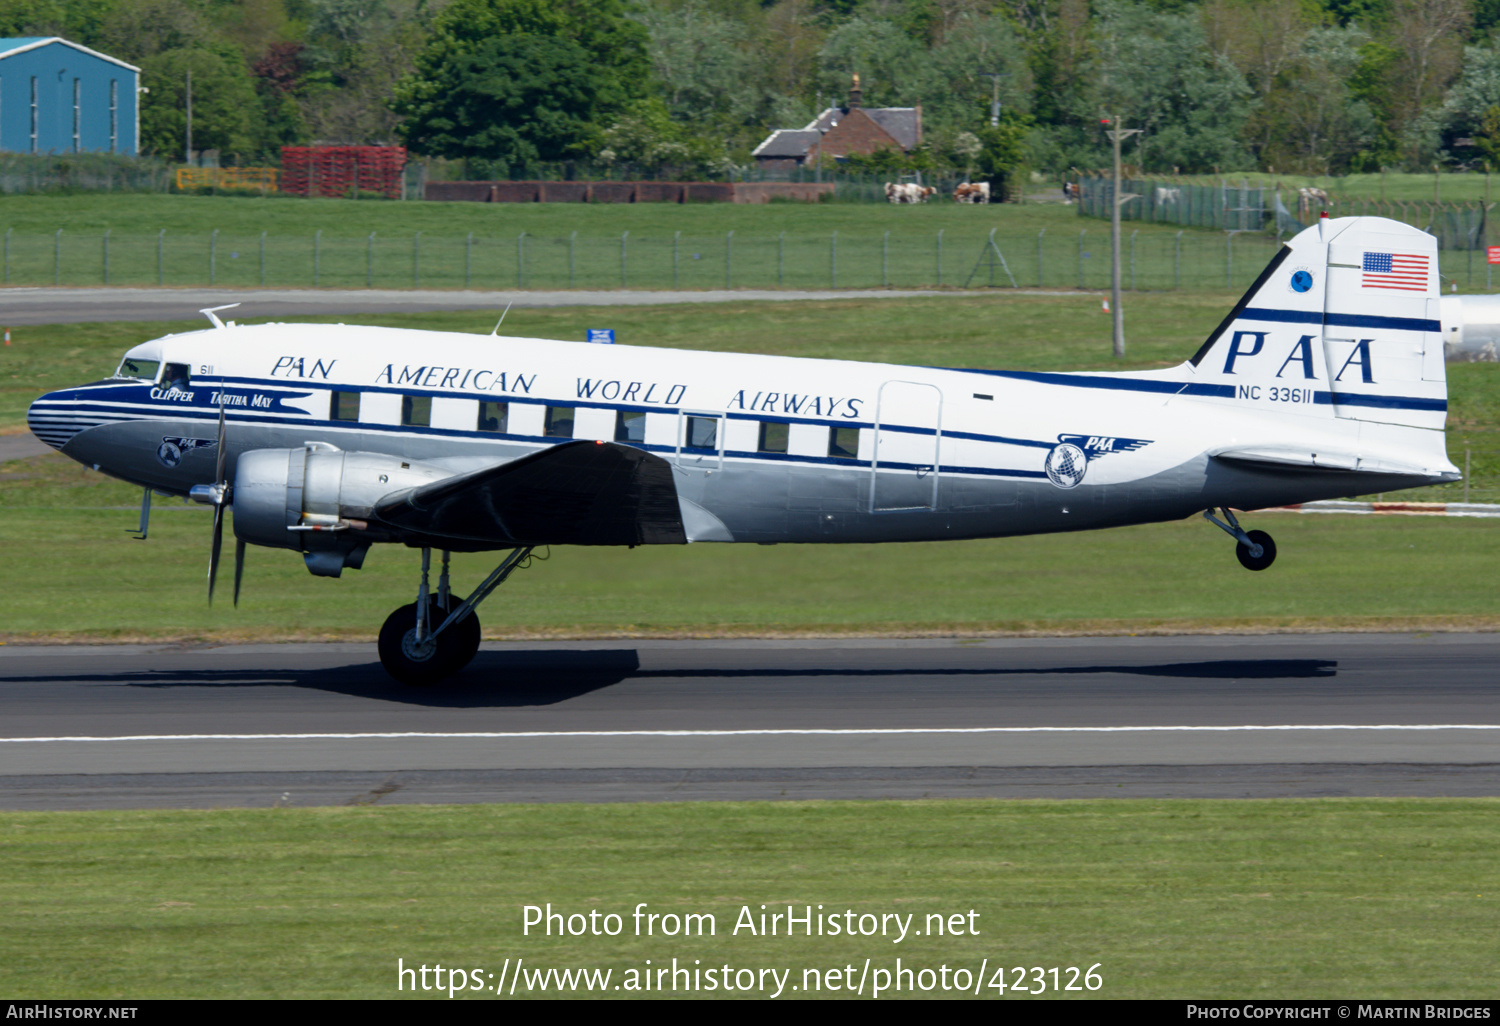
(1099,381)
(1340,320)
(1386,402)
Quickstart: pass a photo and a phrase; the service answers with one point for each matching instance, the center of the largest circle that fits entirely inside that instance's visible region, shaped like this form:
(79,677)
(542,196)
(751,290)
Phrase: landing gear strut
(433,638)
(1255,550)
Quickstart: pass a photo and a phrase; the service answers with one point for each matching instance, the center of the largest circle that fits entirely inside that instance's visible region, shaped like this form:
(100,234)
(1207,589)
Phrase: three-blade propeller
(220,494)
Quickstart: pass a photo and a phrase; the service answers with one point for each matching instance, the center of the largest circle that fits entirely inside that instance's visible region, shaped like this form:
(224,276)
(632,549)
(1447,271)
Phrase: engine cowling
(317,500)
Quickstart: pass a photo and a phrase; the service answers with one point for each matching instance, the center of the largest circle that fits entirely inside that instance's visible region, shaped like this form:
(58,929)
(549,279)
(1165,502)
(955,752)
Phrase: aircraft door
(908,447)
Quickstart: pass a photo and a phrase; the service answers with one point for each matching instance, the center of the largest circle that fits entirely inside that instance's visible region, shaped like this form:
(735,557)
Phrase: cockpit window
(176,376)
(131,367)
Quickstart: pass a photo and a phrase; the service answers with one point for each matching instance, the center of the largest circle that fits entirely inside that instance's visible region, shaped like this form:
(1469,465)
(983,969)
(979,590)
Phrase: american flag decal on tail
(1404,271)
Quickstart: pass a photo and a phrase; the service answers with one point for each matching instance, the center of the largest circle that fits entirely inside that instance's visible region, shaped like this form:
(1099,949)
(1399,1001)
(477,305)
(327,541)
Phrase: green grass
(75,574)
(1451,188)
(1173,899)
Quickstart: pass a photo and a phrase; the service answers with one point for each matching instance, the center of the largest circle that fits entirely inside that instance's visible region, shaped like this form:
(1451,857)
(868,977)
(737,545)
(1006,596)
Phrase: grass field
(1253,899)
(1468,187)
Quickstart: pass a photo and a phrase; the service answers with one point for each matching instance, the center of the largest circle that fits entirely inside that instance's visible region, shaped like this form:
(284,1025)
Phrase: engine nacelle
(317,500)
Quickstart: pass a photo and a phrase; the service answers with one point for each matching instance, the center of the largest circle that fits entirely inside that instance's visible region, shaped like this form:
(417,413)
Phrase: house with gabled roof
(57,96)
(841,131)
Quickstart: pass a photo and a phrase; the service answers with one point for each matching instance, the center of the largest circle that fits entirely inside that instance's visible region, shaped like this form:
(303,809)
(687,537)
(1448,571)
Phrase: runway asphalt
(166,726)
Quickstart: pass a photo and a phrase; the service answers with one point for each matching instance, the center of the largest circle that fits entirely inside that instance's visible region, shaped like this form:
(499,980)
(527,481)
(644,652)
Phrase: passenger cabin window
(143,369)
(559,422)
(773,437)
(494,417)
(176,376)
(701,433)
(344,406)
(416,410)
(630,426)
(843,443)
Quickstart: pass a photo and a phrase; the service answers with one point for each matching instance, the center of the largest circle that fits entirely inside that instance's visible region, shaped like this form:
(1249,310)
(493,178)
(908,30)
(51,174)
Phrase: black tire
(400,662)
(459,643)
(1267,551)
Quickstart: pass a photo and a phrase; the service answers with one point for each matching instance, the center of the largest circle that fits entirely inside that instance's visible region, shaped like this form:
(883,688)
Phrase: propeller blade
(219,466)
(213,558)
(239,567)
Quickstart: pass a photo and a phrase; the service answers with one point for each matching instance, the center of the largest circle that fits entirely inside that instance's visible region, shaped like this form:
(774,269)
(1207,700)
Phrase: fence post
(57,259)
(521,261)
(833,260)
(1132,258)
(885,259)
(571,239)
(213,257)
(940,258)
(1229,260)
(468,258)
(676,238)
(780,257)
(1466,473)
(158,255)
(7,254)
(416,260)
(106,256)
(317,255)
(370,260)
(1039,257)
(1177,264)
(1081,234)
(728,257)
(622,258)
(263,257)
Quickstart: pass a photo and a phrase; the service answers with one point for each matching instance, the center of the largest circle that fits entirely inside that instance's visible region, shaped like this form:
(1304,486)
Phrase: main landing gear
(433,637)
(1255,550)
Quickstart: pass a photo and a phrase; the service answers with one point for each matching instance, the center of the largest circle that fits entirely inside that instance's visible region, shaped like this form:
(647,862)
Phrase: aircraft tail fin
(1344,322)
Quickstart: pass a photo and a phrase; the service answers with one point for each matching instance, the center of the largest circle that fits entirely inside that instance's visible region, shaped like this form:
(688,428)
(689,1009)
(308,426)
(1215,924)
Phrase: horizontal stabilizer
(576,493)
(1283,457)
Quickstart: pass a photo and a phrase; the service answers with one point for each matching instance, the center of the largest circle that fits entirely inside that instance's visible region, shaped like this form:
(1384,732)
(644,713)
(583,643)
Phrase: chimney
(856,95)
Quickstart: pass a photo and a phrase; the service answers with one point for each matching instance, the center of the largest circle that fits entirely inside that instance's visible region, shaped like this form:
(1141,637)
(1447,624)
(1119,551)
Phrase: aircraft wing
(576,493)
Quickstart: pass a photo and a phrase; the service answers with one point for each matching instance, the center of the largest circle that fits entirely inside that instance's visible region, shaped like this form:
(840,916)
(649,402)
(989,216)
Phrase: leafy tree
(522,80)
(648,138)
(889,63)
(517,98)
(224,103)
(1320,126)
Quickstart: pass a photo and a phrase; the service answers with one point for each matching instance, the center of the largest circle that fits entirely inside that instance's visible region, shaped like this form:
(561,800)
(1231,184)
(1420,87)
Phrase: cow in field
(972,192)
(1166,195)
(1310,199)
(907,192)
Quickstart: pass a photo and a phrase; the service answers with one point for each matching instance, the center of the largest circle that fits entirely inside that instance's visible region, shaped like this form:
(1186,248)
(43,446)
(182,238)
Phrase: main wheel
(1267,551)
(410,663)
(462,639)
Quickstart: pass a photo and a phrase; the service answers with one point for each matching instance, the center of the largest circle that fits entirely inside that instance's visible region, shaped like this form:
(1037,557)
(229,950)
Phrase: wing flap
(576,493)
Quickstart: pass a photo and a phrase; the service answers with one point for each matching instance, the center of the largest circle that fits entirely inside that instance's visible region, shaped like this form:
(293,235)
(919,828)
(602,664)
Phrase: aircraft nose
(54,417)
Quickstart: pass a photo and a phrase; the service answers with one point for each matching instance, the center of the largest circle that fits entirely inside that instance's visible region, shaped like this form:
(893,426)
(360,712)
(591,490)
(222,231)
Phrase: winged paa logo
(1069,459)
(171,449)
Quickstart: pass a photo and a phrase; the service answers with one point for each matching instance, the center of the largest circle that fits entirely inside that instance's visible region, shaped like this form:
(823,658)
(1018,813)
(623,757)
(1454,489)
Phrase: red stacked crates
(338,170)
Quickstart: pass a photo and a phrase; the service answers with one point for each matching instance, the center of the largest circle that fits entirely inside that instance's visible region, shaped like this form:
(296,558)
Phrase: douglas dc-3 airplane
(1326,380)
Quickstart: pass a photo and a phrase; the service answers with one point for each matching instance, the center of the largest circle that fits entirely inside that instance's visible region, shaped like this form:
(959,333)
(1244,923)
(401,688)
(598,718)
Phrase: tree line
(507,86)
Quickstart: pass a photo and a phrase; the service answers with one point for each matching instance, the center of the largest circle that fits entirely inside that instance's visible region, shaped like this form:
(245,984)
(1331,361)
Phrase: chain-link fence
(795,260)
(1246,206)
(82,172)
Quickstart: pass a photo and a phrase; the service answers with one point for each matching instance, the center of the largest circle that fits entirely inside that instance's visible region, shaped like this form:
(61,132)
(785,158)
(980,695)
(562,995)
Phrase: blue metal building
(61,97)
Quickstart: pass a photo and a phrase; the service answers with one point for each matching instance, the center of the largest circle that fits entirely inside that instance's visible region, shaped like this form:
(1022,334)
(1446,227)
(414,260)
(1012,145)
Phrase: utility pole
(994,77)
(188,157)
(1116,134)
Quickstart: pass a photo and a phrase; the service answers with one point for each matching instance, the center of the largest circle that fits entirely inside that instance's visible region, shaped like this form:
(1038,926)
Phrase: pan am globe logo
(1302,280)
(1066,465)
(170,451)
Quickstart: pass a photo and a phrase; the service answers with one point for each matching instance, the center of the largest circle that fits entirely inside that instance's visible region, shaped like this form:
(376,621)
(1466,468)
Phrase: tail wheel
(1267,551)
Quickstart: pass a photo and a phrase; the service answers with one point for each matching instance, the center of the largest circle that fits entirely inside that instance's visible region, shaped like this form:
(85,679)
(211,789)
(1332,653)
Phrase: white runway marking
(769,732)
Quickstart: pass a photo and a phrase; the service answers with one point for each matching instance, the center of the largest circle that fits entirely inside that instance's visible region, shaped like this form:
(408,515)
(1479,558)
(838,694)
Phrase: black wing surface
(575,493)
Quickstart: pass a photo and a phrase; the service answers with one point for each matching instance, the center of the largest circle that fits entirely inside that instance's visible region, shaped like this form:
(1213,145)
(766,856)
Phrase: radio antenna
(501,321)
